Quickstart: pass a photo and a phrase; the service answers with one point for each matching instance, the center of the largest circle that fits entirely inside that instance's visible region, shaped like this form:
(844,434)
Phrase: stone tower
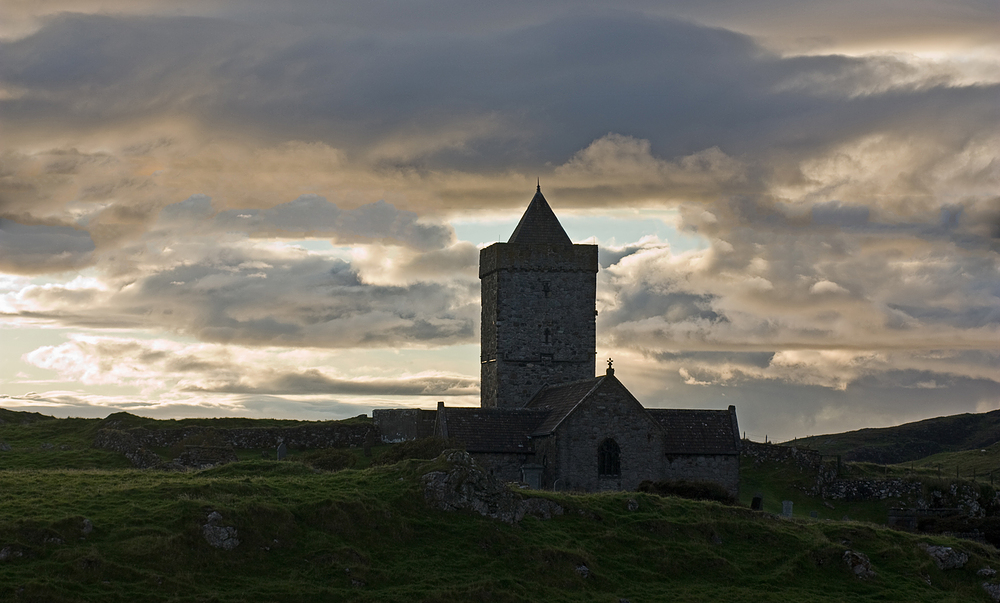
(539,296)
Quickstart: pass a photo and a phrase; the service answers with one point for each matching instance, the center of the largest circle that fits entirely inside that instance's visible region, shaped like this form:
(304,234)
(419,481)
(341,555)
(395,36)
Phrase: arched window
(547,334)
(609,459)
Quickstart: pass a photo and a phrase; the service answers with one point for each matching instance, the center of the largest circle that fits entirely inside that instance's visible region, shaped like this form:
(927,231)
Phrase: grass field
(365,534)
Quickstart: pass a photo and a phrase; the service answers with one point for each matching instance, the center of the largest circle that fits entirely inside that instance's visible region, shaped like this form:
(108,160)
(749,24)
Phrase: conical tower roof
(539,225)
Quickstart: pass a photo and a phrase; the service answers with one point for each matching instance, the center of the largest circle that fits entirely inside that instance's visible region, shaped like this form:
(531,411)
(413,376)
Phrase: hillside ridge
(909,441)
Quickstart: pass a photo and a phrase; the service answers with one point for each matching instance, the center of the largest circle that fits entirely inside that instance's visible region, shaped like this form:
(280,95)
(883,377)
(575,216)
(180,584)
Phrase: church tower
(539,295)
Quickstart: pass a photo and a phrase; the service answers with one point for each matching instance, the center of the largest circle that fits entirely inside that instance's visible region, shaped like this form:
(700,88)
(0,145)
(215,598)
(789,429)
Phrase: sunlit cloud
(217,200)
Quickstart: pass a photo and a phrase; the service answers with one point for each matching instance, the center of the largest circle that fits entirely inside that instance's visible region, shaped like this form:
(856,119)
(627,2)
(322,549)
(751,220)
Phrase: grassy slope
(307,536)
(911,441)
(366,535)
(777,482)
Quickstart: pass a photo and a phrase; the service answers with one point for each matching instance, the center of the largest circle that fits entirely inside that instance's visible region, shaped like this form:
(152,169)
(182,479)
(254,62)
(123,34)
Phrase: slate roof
(560,400)
(696,431)
(493,429)
(539,225)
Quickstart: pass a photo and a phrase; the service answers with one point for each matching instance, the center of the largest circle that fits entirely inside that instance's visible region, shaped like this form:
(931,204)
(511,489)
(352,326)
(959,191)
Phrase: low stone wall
(871,489)
(124,443)
(394,425)
(781,454)
(317,435)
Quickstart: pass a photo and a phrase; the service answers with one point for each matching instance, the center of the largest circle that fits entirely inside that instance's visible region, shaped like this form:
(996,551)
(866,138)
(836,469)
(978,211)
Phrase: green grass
(978,463)
(910,441)
(365,534)
(368,536)
(777,482)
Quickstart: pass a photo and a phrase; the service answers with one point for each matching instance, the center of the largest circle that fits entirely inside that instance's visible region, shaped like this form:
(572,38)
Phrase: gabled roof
(697,431)
(492,429)
(539,225)
(560,400)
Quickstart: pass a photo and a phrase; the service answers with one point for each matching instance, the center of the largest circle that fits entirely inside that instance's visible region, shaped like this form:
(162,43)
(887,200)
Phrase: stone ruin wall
(805,458)
(319,435)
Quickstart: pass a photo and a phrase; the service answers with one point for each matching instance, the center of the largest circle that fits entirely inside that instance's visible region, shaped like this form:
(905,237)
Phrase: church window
(548,335)
(545,288)
(609,459)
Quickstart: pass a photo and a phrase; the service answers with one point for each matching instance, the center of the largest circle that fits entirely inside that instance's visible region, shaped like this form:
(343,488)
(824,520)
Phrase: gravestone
(757,503)
(786,508)
(282,451)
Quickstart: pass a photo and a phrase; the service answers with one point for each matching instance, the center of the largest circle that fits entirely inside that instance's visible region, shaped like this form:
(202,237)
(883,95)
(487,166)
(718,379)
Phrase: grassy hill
(71,535)
(911,441)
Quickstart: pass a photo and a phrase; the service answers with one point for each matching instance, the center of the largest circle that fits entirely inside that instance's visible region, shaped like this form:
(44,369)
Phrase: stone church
(544,418)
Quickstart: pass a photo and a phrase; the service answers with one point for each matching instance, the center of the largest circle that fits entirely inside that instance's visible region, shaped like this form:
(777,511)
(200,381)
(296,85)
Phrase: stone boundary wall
(320,435)
(871,489)
(781,454)
(394,425)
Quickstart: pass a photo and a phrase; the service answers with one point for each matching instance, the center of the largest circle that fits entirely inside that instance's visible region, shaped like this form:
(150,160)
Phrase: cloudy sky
(274,209)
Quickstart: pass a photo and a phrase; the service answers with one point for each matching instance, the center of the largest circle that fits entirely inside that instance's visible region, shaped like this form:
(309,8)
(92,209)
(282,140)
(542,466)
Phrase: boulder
(859,564)
(464,485)
(945,557)
(993,590)
(219,536)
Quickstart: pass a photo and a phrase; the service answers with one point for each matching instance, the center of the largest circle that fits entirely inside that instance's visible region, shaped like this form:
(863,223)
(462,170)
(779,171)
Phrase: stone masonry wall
(395,425)
(609,412)
(319,435)
(722,469)
(871,489)
(782,454)
(505,467)
(538,323)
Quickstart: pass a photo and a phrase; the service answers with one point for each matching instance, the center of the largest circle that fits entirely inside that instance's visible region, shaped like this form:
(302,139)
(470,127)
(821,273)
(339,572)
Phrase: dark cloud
(846,205)
(38,248)
(548,90)
(310,216)
(314,381)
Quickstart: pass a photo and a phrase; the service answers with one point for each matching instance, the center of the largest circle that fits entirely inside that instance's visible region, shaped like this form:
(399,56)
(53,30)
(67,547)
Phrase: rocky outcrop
(860,566)
(464,485)
(945,557)
(218,535)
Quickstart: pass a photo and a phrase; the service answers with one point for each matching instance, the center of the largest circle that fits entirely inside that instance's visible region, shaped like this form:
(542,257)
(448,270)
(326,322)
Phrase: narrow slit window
(548,336)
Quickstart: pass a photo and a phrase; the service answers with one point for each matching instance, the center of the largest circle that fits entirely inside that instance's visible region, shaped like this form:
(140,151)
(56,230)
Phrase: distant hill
(910,441)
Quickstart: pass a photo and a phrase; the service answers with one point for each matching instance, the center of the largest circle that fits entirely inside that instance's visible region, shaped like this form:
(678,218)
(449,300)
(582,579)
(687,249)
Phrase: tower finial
(611,371)
(538,188)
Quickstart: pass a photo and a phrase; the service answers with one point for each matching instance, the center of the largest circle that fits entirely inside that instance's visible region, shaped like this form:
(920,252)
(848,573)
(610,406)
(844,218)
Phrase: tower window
(548,335)
(609,459)
(545,288)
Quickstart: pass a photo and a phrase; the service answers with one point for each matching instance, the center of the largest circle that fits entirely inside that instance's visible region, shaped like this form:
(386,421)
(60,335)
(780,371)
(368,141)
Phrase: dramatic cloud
(303,178)
(28,248)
